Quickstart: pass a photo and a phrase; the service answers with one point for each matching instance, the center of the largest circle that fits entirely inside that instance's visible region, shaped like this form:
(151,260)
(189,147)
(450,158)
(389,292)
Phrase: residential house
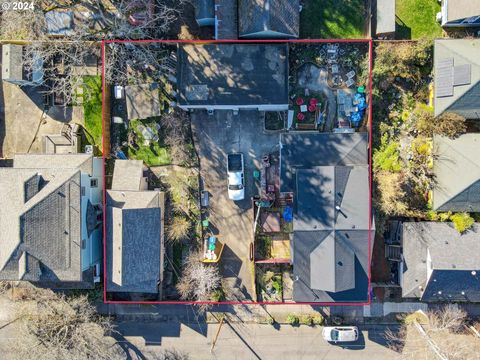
(50,220)
(233,77)
(456,167)
(333,233)
(134,239)
(385,19)
(457,77)
(440,264)
(250,19)
(462,14)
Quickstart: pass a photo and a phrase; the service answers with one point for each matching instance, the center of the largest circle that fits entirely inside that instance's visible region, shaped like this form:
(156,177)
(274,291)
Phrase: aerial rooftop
(232,74)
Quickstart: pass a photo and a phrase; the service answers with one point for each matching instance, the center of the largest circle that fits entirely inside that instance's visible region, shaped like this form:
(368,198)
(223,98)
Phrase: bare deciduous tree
(440,336)
(57,327)
(198,280)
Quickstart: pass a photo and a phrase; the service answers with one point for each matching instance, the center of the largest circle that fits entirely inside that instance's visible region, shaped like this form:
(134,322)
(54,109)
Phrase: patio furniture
(350,74)
(303,108)
(350,82)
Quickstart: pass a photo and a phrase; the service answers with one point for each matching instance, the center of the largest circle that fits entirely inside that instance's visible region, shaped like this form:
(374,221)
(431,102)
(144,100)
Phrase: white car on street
(338,334)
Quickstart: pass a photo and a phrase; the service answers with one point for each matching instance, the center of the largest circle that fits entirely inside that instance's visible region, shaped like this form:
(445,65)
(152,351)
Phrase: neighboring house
(134,233)
(328,175)
(439,264)
(268,19)
(13,70)
(457,77)
(233,77)
(50,220)
(456,167)
(385,19)
(250,19)
(143,101)
(460,14)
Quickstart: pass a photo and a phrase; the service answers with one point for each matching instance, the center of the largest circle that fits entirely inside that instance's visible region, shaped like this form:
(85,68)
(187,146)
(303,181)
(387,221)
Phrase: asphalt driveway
(215,136)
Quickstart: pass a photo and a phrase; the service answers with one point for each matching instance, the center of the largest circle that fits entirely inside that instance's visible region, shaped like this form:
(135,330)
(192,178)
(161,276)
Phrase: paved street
(246,341)
(215,136)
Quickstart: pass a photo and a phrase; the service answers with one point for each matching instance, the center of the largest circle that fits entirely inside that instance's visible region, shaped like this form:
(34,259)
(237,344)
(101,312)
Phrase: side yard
(403,128)
(332,19)
(92,107)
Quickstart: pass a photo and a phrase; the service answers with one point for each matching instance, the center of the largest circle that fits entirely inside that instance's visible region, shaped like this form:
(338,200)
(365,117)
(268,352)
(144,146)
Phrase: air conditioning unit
(96,276)
(88,149)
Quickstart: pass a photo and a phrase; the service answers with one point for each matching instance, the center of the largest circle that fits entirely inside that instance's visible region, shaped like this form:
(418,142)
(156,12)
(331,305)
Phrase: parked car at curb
(236,183)
(338,334)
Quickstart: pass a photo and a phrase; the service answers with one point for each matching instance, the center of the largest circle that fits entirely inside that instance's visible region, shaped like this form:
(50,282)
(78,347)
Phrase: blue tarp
(288,214)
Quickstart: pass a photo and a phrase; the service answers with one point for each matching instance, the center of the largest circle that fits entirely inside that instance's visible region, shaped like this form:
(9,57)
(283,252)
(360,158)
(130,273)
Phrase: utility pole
(218,333)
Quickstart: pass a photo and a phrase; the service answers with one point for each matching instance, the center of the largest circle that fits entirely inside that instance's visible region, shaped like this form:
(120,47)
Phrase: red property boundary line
(370,52)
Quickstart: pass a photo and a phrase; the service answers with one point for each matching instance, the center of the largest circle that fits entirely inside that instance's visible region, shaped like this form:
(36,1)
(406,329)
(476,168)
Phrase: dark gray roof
(453,157)
(330,244)
(261,18)
(451,254)
(337,276)
(40,228)
(134,241)
(40,220)
(307,150)
(232,74)
(450,96)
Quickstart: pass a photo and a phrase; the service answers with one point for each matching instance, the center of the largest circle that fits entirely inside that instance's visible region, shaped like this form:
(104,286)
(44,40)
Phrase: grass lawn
(335,19)
(417,19)
(92,107)
(153,154)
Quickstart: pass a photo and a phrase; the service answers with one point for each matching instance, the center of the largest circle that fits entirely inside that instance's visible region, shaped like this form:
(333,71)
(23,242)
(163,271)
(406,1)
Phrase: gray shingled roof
(453,157)
(307,150)
(330,245)
(261,18)
(134,233)
(40,220)
(464,98)
(452,255)
(127,174)
(232,74)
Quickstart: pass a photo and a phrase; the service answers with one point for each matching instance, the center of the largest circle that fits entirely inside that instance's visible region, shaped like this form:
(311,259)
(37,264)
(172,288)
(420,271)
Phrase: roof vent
(474,272)
(439,293)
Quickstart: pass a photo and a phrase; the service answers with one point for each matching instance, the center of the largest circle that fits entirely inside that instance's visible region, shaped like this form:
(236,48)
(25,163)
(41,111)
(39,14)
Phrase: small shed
(143,101)
(385,19)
